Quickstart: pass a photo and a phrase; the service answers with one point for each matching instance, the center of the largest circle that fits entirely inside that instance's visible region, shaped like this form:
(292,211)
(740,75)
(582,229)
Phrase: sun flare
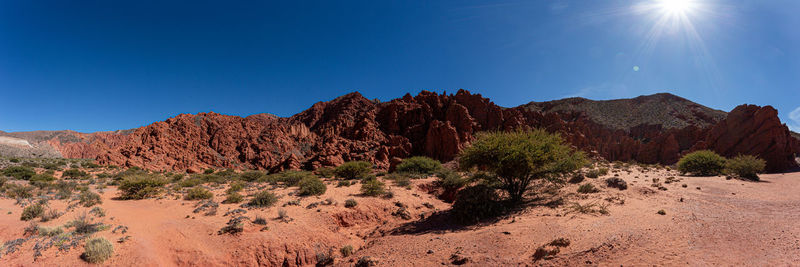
(676,7)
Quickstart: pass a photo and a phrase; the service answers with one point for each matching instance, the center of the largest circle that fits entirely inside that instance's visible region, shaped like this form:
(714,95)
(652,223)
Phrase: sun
(676,7)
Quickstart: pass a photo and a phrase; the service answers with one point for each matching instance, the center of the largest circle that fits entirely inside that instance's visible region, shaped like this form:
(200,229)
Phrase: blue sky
(107,65)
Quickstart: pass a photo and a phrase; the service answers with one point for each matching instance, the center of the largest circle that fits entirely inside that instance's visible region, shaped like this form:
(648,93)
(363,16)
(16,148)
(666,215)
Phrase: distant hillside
(672,112)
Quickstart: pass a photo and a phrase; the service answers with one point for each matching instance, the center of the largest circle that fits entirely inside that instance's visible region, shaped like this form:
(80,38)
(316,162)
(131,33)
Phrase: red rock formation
(352,127)
(753,130)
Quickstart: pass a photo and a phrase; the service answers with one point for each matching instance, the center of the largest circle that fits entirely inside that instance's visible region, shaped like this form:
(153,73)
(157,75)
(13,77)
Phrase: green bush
(419,165)
(349,203)
(325,172)
(450,180)
(476,203)
(98,250)
(263,199)
(293,178)
(32,212)
(41,180)
(141,186)
(251,176)
(233,198)
(520,157)
(587,189)
(236,186)
(198,193)
(702,163)
(746,166)
(74,174)
(346,251)
(88,198)
(208,171)
(191,182)
(312,186)
(373,187)
(353,170)
(19,172)
(18,191)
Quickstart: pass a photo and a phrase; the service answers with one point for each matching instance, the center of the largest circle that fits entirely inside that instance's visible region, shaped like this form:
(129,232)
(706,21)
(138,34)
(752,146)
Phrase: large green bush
(419,165)
(98,250)
(19,172)
(312,186)
(141,186)
(520,157)
(746,166)
(702,163)
(353,170)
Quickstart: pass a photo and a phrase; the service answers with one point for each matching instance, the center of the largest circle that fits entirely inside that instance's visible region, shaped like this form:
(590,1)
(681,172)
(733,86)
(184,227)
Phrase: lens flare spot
(635,68)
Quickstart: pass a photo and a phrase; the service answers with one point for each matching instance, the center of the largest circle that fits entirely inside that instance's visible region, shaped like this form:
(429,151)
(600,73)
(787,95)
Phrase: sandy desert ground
(707,221)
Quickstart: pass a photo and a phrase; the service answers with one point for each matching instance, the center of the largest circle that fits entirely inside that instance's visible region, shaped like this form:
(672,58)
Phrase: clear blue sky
(107,65)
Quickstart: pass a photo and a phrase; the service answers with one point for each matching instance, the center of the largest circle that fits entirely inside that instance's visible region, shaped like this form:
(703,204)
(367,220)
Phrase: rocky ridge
(352,127)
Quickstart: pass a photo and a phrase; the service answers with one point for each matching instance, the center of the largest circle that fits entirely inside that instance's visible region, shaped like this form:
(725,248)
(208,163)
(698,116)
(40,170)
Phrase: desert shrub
(41,180)
(236,186)
(520,157)
(233,197)
(263,199)
(98,211)
(399,180)
(88,198)
(587,189)
(325,172)
(746,166)
(418,165)
(98,250)
(251,176)
(191,182)
(350,203)
(141,186)
(602,171)
(353,170)
(32,212)
(14,160)
(476,203)
(702,163)
(19,172)
(373,187)
(197,193)
(593,173)
(50,215)
(260,220)
(210,178)
(74,174)
(91,165)
(343,183)
(208,171)
(3,181)
(52,166)
(292,178)
(576,178)
(312,186)
(450,180)
(346,251)
(50,231)
(18,191)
